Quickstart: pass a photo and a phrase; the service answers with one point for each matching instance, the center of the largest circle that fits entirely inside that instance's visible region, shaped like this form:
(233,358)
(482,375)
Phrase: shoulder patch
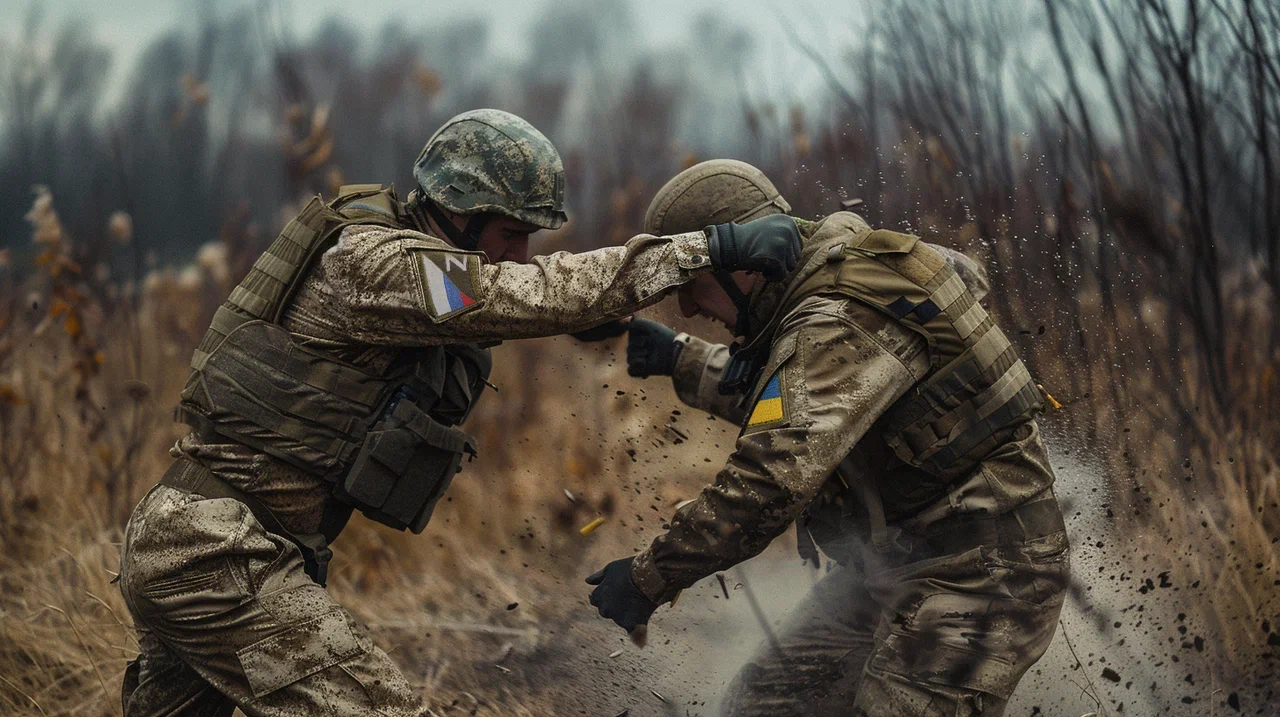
(771,407)
(450,281)
(772,403)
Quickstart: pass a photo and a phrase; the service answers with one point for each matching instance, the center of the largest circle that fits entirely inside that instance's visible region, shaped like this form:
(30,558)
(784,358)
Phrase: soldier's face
(506,239)
(704,296)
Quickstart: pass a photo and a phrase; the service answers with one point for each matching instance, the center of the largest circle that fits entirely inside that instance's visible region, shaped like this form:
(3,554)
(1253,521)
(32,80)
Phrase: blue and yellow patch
(769,405)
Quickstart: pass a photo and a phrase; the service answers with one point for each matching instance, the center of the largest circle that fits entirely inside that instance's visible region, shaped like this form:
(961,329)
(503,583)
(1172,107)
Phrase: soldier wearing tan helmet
(335,378)
(884,412)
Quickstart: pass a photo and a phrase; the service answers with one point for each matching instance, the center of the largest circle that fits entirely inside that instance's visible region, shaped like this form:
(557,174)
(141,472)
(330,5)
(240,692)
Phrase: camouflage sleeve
(830,375)
(697,378)
(405,288)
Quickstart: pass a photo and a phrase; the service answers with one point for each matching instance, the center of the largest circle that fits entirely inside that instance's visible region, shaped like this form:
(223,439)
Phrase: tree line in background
(1115,164)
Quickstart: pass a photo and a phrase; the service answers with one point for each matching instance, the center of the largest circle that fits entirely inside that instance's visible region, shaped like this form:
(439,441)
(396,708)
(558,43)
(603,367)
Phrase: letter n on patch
(449,282)
(771,407)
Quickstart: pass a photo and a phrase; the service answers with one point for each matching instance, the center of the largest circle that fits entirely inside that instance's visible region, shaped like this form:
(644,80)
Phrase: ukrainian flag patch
(769,407)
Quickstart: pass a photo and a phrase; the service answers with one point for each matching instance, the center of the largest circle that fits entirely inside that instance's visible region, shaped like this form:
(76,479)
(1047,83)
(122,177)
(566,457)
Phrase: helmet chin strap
(467,238)
(741,327)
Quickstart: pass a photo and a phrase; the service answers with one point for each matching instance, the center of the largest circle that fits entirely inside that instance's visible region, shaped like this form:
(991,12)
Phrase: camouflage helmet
(712,192)
(493,161)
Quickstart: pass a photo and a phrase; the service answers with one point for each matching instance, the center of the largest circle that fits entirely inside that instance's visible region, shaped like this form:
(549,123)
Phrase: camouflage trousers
(948,636)
(227,617)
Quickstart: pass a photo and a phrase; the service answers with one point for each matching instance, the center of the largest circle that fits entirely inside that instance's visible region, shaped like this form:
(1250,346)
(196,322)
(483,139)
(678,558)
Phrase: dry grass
(1121,268)
(507,535)
(85,392)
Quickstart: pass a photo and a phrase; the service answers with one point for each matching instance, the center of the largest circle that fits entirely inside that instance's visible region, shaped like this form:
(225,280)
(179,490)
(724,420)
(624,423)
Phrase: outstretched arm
(405,288)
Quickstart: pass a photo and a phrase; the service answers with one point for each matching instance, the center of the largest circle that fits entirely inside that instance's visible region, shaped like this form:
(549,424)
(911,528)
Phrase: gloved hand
(607,330)
(617,598)
(770,245)
(651,349)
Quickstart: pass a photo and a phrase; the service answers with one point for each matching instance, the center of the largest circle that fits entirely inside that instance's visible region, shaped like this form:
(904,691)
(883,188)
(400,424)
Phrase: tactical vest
(385,441)
(977,393)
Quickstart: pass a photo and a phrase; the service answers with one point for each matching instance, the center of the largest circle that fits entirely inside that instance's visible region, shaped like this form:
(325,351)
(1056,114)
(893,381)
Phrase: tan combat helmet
(712,192)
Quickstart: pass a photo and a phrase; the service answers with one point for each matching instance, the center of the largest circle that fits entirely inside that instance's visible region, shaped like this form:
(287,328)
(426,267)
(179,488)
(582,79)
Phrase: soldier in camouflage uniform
(334,378)
(883,410)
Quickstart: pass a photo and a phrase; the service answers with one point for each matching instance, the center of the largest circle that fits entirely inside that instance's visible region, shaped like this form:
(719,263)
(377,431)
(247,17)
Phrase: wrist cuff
(649,581)
(692,251)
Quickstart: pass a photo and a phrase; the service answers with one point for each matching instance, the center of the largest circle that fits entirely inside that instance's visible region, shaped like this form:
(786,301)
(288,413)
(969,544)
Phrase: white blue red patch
(448,282)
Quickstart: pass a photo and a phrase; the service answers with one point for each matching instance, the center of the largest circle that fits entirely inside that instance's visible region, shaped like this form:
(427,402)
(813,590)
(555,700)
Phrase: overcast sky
(127,26)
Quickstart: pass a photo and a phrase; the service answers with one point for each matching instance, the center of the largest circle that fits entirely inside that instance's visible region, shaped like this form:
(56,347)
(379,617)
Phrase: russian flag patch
(449,280)
(769,405)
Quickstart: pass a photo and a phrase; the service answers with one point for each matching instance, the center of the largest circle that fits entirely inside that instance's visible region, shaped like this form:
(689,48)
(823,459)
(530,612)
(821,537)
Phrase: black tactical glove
(607,330)
(617,598)
(651,349)
(770,245)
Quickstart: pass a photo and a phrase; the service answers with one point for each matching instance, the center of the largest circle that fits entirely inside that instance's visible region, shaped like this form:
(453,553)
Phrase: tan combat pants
(227,618)
(948,636)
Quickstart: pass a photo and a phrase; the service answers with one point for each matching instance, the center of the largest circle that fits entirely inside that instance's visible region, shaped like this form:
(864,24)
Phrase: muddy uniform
(233,613)
(892,420)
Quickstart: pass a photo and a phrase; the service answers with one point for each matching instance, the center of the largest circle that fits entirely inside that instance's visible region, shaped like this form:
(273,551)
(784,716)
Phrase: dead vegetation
(1122,188)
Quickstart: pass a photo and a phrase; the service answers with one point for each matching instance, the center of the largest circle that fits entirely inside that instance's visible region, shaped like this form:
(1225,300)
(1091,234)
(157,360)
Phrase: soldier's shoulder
(838,315)
(832,226)
(373,236)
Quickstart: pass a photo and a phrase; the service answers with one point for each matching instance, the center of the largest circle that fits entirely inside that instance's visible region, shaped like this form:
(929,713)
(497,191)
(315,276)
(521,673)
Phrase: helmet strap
(475,225)
(742,326)
(467,238)
(776,202)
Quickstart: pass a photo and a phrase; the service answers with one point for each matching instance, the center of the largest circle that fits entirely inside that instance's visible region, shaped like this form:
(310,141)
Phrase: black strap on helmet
(742,326)
(467,238)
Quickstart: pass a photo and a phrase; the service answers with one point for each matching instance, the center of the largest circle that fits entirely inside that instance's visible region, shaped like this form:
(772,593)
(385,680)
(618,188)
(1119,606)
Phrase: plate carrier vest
(386,441)
(978,393)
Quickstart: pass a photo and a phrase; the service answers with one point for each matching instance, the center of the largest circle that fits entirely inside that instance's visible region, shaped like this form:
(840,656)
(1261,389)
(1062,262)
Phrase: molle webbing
(262,390)
(978,392)
(275,276)
(384,440)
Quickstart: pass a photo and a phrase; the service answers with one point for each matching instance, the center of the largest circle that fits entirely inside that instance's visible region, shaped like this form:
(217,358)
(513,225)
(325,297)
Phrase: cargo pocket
(299,652)
(192,580)
(951,639)
(1035,572)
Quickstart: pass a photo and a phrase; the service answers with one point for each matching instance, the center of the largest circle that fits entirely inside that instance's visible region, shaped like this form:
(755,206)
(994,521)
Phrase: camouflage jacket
(835,366)
(368,297)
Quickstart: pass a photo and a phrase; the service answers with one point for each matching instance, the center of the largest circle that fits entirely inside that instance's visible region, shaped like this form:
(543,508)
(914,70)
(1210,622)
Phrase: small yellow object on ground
(590,528)
(1053,402)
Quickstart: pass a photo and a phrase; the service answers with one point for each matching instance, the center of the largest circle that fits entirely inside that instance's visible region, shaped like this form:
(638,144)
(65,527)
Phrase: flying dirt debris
(844,372)
(1040,251)
(258,400)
